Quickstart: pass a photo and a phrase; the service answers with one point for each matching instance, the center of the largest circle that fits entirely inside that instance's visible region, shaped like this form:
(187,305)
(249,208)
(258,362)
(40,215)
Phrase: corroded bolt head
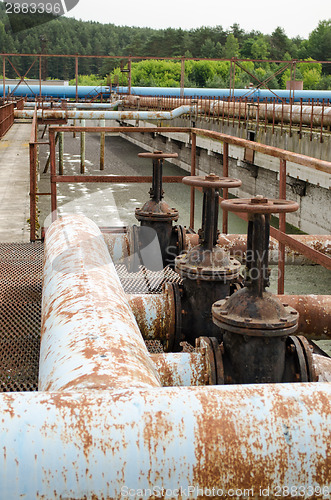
(211,177)
(259,199)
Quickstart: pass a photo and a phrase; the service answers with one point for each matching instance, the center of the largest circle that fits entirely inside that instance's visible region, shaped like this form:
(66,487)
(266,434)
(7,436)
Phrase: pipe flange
(299,346)
(214,360)
(148,213)
(223,273)
(174,335)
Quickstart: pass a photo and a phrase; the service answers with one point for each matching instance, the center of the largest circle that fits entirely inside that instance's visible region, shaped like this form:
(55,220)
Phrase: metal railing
(283,156)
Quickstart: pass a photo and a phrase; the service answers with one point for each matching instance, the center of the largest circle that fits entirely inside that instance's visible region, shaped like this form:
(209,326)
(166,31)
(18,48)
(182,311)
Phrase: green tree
(259,48)
(231,48)
(319,43)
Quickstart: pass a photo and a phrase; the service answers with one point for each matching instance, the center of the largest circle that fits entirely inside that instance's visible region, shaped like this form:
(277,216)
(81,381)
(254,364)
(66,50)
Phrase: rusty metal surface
(259,205)
(91,445)
(212,181)
(6,118)
(155,314)
(89,336)
(47,115)
(20,315)
(322,367)
(180,369)
(314,314)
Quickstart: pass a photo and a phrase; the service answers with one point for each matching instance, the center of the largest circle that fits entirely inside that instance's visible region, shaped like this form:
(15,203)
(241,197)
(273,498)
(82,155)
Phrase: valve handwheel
(158,155)
(259,205)
(211,181)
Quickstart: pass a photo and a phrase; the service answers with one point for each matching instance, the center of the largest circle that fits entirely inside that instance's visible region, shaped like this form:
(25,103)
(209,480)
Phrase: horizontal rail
(307,161)
(113,178)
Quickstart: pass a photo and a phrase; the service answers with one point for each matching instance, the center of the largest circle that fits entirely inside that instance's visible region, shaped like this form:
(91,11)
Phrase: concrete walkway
(15,184)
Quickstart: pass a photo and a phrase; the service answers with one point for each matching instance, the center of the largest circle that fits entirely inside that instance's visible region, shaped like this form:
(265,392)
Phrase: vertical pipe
(61,140)
(40,77)
(102,145)
(76,76)
(4,76)
(129,76)
(33,190)
(53,173)
(282,227)
(82,148)
(225,190)
(193,170)
(182,76)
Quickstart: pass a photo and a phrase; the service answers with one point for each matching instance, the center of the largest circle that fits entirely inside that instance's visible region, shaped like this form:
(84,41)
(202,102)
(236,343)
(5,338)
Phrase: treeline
(69,36)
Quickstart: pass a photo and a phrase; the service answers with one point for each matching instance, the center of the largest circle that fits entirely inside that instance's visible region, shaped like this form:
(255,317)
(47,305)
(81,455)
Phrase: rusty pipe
(101,444)
(155,314)
(285,113)
(105,115)
(314,314)
(236,245)
(89,336)
(182,369)
(120,246)
(322,368)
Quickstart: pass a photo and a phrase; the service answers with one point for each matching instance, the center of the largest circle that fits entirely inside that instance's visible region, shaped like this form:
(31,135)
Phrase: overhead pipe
(105,115)
(265,439)
(89,336)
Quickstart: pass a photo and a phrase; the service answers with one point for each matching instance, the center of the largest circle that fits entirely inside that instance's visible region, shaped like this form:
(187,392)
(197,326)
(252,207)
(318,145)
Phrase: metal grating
(20,310)
(20,315)
(144,280)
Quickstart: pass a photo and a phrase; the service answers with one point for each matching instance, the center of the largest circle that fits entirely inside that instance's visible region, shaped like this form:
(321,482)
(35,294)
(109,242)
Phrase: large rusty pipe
(182,369)
(155,314)
(236,245)
(285,113)
(322,367)
(75,105)
(89,336)
(120,246)
(105,115)
(118,443)
(314,314)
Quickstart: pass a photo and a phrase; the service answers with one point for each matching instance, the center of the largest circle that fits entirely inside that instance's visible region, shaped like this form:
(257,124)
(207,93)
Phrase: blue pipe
(69,92)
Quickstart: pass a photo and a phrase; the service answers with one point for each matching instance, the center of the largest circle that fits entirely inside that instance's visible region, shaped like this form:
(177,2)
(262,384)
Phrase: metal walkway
(15,183)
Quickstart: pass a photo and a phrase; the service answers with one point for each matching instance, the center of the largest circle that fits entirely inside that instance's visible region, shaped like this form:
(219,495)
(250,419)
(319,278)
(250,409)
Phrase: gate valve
(207,270)
(255,323)
(156,223)
(155,209)
(208,260)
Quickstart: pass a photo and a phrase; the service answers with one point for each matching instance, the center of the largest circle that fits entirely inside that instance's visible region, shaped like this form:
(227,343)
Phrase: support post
(61,140)
(82,149)
(193,170)
(53,174)
(4,76)
(282,227)
(102,145)
(225,190)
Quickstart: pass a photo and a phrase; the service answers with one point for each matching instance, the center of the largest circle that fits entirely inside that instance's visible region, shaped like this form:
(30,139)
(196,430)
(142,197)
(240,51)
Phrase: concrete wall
(309,187)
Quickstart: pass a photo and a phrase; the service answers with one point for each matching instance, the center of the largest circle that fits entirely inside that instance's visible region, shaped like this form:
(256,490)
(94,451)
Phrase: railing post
(4,77)
(33,189)
(53,174)
(61,140)
(76,77)
(102,145)
(225,190)
(82,149)
(282,227)
(193,170)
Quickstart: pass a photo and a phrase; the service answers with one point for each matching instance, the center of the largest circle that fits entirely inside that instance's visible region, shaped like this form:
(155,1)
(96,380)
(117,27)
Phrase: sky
(298,18)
